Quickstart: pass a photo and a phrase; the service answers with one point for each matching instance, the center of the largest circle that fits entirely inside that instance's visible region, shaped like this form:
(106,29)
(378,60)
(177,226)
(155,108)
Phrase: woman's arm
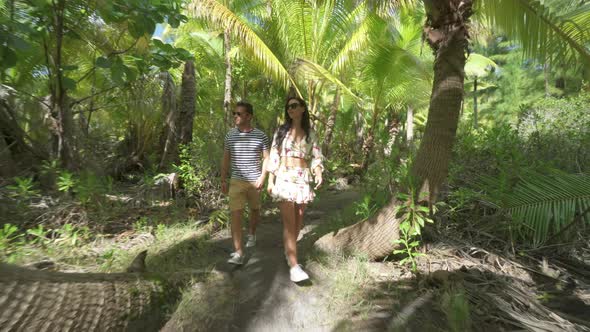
(317,161)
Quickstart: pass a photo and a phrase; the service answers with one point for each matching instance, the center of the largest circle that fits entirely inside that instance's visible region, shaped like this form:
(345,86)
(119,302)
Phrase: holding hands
(318,178)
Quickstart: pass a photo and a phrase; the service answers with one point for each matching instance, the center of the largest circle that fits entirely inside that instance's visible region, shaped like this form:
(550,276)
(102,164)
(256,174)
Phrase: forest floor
(466,281)
(458,286)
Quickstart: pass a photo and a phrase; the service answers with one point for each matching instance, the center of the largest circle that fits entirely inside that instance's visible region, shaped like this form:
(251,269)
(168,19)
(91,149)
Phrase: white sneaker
(251,241)
(236,259)
(297,274)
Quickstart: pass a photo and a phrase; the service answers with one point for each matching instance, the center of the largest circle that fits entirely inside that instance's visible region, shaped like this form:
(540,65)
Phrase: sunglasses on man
(238,114)
(293,106)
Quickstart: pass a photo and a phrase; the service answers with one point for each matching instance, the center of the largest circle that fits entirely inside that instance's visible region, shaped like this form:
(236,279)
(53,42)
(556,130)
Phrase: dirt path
(266,299)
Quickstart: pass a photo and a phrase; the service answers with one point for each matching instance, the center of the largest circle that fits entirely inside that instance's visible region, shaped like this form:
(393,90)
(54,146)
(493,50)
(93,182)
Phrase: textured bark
(50,301)
(188,95)
(359,129)
(7,165)
(393,130)
(227,111)
(475,121)
(170,133)
(369,141)
(546,77)
(34,300)
(331,123)
(410,126)
(373,237)
(60,110)
(446,33)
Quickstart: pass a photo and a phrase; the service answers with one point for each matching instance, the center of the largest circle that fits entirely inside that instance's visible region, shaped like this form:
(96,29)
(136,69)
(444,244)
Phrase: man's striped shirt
(245,149)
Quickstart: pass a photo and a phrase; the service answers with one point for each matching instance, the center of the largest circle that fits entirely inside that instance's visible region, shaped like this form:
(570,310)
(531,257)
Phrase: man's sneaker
(236,259)
(251,241)
(297,274)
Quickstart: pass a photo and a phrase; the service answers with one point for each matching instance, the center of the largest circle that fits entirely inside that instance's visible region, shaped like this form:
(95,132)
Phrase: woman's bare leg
(299,210)
(289,231)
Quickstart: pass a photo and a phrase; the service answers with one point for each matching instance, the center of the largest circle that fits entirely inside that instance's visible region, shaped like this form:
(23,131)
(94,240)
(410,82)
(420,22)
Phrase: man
(244,146)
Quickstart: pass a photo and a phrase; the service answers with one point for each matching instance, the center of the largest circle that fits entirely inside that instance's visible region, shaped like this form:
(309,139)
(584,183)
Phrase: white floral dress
(293,183)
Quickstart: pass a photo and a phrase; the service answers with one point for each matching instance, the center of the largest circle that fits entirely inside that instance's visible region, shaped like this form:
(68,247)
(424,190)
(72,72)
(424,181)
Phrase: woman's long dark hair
(284,128)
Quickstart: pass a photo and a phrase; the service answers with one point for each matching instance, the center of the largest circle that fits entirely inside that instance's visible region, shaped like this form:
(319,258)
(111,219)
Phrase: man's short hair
(245,105)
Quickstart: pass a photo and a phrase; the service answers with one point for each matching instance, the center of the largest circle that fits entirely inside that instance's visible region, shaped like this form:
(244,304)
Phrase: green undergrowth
(174,247)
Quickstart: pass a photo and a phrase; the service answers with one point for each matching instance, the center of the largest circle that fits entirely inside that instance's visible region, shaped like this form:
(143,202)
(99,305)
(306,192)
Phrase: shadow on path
(266,299)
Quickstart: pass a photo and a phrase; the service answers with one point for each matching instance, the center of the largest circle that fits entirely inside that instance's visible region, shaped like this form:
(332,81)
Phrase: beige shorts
(242,192)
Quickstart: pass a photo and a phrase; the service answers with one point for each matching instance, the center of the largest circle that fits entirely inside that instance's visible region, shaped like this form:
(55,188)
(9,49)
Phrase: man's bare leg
(254,220)
(236,230)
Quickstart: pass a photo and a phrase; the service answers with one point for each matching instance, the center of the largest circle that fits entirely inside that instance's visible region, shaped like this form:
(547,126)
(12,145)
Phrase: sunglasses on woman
(293,106)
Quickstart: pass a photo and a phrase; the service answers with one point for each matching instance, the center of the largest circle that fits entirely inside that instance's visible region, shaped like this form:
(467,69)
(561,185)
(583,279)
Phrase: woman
(294,154)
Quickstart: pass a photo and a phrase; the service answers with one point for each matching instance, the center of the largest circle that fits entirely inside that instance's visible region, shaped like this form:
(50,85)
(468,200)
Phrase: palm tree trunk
(410,126)
(188,96)
(546,76)
(369,141)
(475,103)
(331,123)
(169,137)
(446,34)
(394,127)
(228,79)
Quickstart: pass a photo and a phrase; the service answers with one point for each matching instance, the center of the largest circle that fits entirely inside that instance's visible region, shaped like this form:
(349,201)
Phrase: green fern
(542,205)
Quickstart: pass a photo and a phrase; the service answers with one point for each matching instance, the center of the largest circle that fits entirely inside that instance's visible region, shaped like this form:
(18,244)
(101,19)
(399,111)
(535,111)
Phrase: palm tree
(301,45)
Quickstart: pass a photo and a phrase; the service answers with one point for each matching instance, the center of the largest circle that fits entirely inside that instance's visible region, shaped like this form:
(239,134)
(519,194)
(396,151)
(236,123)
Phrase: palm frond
(543,34)
(309,68)
(542,205)
(359,40)
(478,65)
(219,14)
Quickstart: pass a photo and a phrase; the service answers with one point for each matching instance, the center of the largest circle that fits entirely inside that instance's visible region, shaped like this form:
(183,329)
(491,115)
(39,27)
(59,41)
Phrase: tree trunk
(546,76)
(475,103)
(410,126)
(19,144)
(188,95)
(393,130)
(359,129)
(7,165)
(331,123)
(227,111)
(62,124)
(52,301)
(560,83)
(369,141)
(40,300)
(446,33)
(170,132)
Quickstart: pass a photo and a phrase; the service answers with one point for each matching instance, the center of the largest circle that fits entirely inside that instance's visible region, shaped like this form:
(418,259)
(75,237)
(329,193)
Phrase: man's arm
(224,167)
